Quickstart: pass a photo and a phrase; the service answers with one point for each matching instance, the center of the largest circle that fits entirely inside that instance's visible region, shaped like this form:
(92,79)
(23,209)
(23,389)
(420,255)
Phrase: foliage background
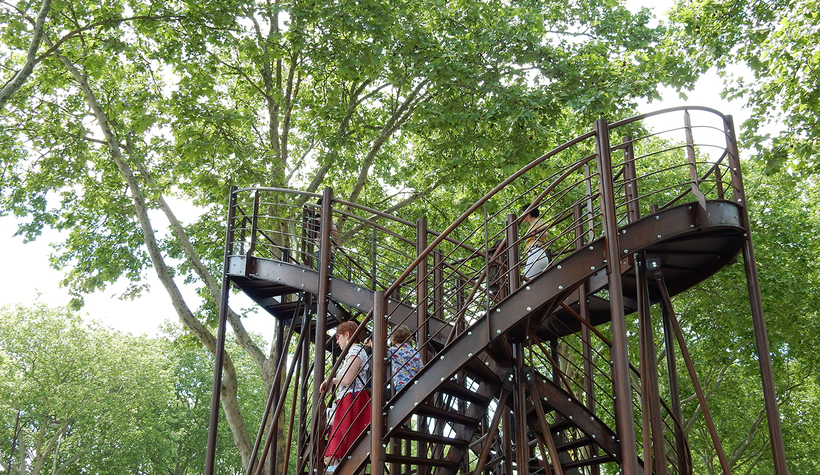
(119,118)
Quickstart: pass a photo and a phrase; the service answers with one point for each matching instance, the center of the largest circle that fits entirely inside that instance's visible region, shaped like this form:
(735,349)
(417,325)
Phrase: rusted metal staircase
(520,375)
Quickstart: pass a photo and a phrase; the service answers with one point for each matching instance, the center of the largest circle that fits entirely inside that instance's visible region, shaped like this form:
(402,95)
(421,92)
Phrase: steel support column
(377,428)
(326,225)
(620,363)
(650,397)
(758,318)
(219,352)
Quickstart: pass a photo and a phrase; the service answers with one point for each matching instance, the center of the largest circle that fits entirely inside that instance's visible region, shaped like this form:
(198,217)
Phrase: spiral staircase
(520,375)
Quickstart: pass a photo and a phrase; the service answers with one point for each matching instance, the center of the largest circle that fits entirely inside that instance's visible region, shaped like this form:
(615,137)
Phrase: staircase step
(407,459)
(478,370)
(459,391)
(424,437)
(561,424)
(445,415)
(574,444)
(587,462)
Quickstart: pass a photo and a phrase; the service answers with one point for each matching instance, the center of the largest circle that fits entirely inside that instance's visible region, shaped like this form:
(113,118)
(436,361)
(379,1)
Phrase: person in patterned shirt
(405,361)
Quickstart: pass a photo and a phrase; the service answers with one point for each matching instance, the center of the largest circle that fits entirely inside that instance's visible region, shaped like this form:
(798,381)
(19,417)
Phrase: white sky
(27,273)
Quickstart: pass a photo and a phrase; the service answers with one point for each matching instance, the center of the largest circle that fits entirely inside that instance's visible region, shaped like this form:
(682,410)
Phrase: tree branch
(31,56)
(229,385)
(399,116)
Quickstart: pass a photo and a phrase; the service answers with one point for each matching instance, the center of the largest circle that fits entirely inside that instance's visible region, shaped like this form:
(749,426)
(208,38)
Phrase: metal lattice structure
(520,375)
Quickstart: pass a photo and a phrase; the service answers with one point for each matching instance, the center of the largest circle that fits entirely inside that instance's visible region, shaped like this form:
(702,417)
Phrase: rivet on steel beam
(560,287)
(558,266)
(469,333)
(593,436)
(498,331)
(657,217)
(659,236)
(469,355)
(528,309)
(591,248)
(442,358)
(626,251)
(498,310)
(592,267)
(528,287)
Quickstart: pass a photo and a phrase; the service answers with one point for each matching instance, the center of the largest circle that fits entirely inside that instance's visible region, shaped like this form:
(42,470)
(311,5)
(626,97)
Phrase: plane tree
(125,123)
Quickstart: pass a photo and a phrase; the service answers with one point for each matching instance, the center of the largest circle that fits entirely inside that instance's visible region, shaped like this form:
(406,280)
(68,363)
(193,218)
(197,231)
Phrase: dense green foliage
(79,398)
(768,55)
(124,123)
(118,116)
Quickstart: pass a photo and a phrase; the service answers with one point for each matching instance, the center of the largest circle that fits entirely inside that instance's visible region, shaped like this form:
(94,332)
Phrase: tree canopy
(119,116)
(768,55)
(124,123)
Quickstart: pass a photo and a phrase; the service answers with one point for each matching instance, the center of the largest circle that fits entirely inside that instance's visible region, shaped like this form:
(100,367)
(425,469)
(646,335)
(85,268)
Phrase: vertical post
(631,182)
(507,439)
(693,169)
(512,253)
(377,428)
(758,317)
(374,259)
(320,342)
(254,229)
(719,183)
(590,204)
(624,417)
(684,467)
(422,302)
(650,396)
(520,410)
(304,352)
(219,352)
(277,392)
(586,338)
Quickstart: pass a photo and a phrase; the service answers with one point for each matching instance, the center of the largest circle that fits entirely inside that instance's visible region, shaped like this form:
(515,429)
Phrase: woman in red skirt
(352,414)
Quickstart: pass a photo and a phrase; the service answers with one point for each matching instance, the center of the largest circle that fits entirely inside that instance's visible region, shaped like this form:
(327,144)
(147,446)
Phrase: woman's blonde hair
(401,334)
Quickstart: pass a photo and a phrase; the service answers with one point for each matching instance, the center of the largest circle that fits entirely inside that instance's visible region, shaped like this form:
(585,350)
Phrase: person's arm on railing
(351,370)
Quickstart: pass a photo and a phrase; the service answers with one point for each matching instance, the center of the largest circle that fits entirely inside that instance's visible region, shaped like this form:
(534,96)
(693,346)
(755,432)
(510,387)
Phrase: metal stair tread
(421,436)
